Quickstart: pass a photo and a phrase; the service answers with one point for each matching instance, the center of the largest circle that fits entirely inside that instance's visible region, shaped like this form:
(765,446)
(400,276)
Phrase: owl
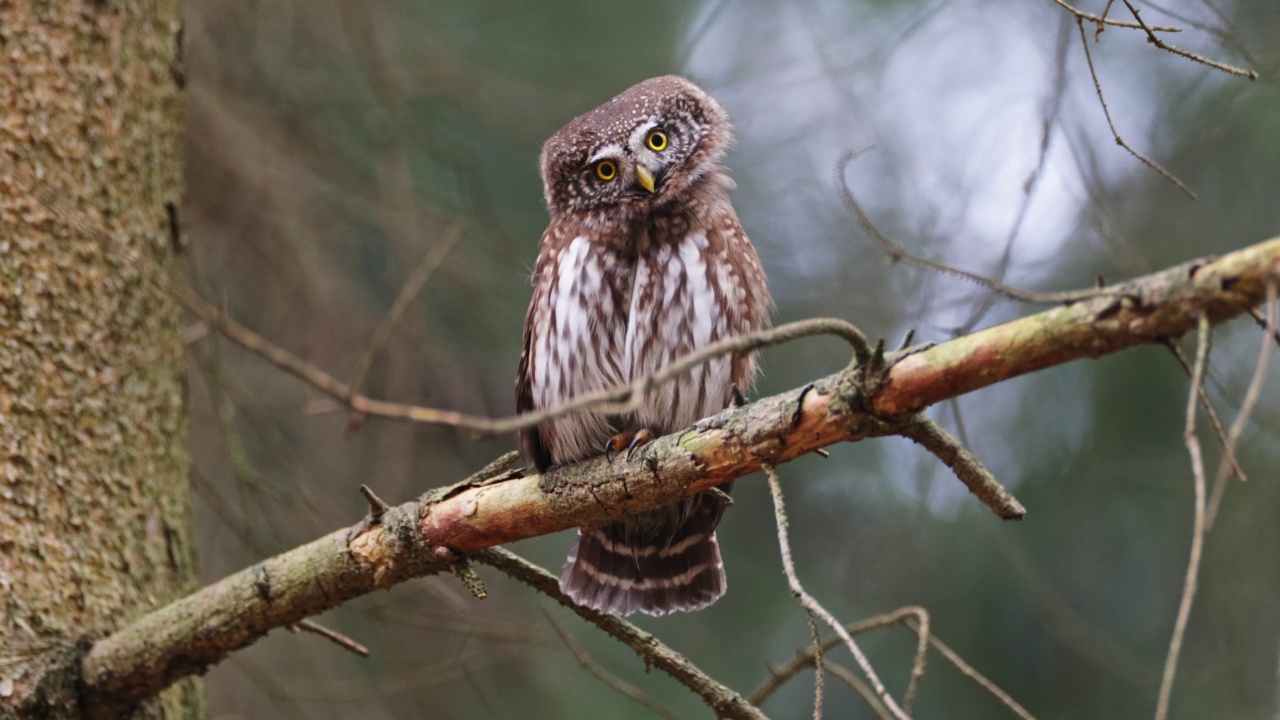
(644,261)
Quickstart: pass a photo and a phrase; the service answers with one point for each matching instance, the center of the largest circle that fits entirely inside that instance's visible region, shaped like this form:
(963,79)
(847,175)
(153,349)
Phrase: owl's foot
(628,440)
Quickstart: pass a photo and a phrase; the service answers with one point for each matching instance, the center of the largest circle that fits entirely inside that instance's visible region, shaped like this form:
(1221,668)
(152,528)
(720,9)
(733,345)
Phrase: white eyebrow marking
(612,151)
(638,134)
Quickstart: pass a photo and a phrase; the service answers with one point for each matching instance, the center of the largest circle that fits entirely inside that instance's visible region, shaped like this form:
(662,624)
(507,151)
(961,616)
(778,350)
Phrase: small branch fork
(913,618)
(1100,22)
(815,609)
(1097,85)
(1155,40)
(1205,511)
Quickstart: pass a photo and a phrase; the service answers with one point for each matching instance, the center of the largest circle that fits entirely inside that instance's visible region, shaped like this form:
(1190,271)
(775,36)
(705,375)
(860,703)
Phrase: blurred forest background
(332,146)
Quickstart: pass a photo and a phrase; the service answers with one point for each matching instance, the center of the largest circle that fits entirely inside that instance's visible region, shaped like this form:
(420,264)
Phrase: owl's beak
(644,177)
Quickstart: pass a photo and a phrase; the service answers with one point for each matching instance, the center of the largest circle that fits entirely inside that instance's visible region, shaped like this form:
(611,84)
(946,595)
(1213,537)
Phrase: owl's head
(639,151)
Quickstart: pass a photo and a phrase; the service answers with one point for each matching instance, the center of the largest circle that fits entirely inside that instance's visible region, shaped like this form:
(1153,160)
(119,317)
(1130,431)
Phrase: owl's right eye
(606,170)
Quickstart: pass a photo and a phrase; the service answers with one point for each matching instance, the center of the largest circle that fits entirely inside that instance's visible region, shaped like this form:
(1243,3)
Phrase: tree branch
(425,536)
(723,700)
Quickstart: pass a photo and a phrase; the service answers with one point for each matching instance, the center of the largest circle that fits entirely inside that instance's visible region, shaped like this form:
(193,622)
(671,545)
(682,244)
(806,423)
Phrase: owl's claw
(629,440)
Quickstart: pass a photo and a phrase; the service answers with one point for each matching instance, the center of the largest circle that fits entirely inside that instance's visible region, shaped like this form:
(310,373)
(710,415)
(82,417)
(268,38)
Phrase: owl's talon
(629,441)
(642,437)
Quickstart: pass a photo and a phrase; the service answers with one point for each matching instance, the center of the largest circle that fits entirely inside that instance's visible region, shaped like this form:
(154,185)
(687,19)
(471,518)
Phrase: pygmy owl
(643,262)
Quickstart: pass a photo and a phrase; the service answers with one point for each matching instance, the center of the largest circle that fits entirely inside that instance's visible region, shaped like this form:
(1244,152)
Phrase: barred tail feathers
(658,562)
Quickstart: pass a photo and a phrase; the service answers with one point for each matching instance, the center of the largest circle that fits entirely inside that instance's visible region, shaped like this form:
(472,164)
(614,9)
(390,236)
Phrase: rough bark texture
(94,496)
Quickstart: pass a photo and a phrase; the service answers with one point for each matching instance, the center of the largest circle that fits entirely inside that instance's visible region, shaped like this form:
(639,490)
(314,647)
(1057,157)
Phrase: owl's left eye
(606,170)
(656,140)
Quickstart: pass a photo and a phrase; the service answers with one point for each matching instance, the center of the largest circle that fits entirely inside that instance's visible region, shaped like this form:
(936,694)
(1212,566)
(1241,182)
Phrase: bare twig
(818,665)
(1155,40)
(1197,530)
(968,671)
(1220,432)
(922,646)
(1246,410)
(412,287)
(586,662)
(930,435)
(851,679)
(812,606)
(898,253)
(331,635)
(1101,21)
(723,700)
(1262,323)
(377,506)
(1097,84)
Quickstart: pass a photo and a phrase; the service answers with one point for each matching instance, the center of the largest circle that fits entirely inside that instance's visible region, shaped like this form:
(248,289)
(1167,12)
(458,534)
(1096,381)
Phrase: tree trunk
(94,496)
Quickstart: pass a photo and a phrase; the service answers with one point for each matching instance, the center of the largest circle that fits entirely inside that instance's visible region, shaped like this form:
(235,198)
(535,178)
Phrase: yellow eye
(606,170)
(657,140)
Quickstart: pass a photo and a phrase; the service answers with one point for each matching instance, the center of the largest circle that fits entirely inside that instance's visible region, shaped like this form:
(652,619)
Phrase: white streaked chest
(614,320)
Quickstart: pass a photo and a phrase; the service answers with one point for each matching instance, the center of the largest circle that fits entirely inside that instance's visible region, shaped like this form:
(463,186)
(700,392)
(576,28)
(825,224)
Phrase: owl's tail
(655,562)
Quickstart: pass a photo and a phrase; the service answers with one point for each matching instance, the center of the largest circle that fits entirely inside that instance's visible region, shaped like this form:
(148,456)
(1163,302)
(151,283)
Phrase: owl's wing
(533,450)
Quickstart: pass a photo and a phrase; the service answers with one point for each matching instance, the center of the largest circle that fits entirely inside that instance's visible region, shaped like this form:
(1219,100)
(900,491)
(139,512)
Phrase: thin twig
(1154,40)
(586,662)
(1206,402)
(811,605)
(377,506)
(1097,84)
(1197,530)
(1246,409)
(818,665)
(1107,10)
(621,399)
(331,635)
(930,435)
(968,671)
(1082,15)
(898,253)
(412,287)
(1262,323)
(843,673)
(922,647)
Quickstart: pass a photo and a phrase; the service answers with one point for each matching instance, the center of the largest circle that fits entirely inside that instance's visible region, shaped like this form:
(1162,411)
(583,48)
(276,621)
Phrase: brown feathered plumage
(643,262)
